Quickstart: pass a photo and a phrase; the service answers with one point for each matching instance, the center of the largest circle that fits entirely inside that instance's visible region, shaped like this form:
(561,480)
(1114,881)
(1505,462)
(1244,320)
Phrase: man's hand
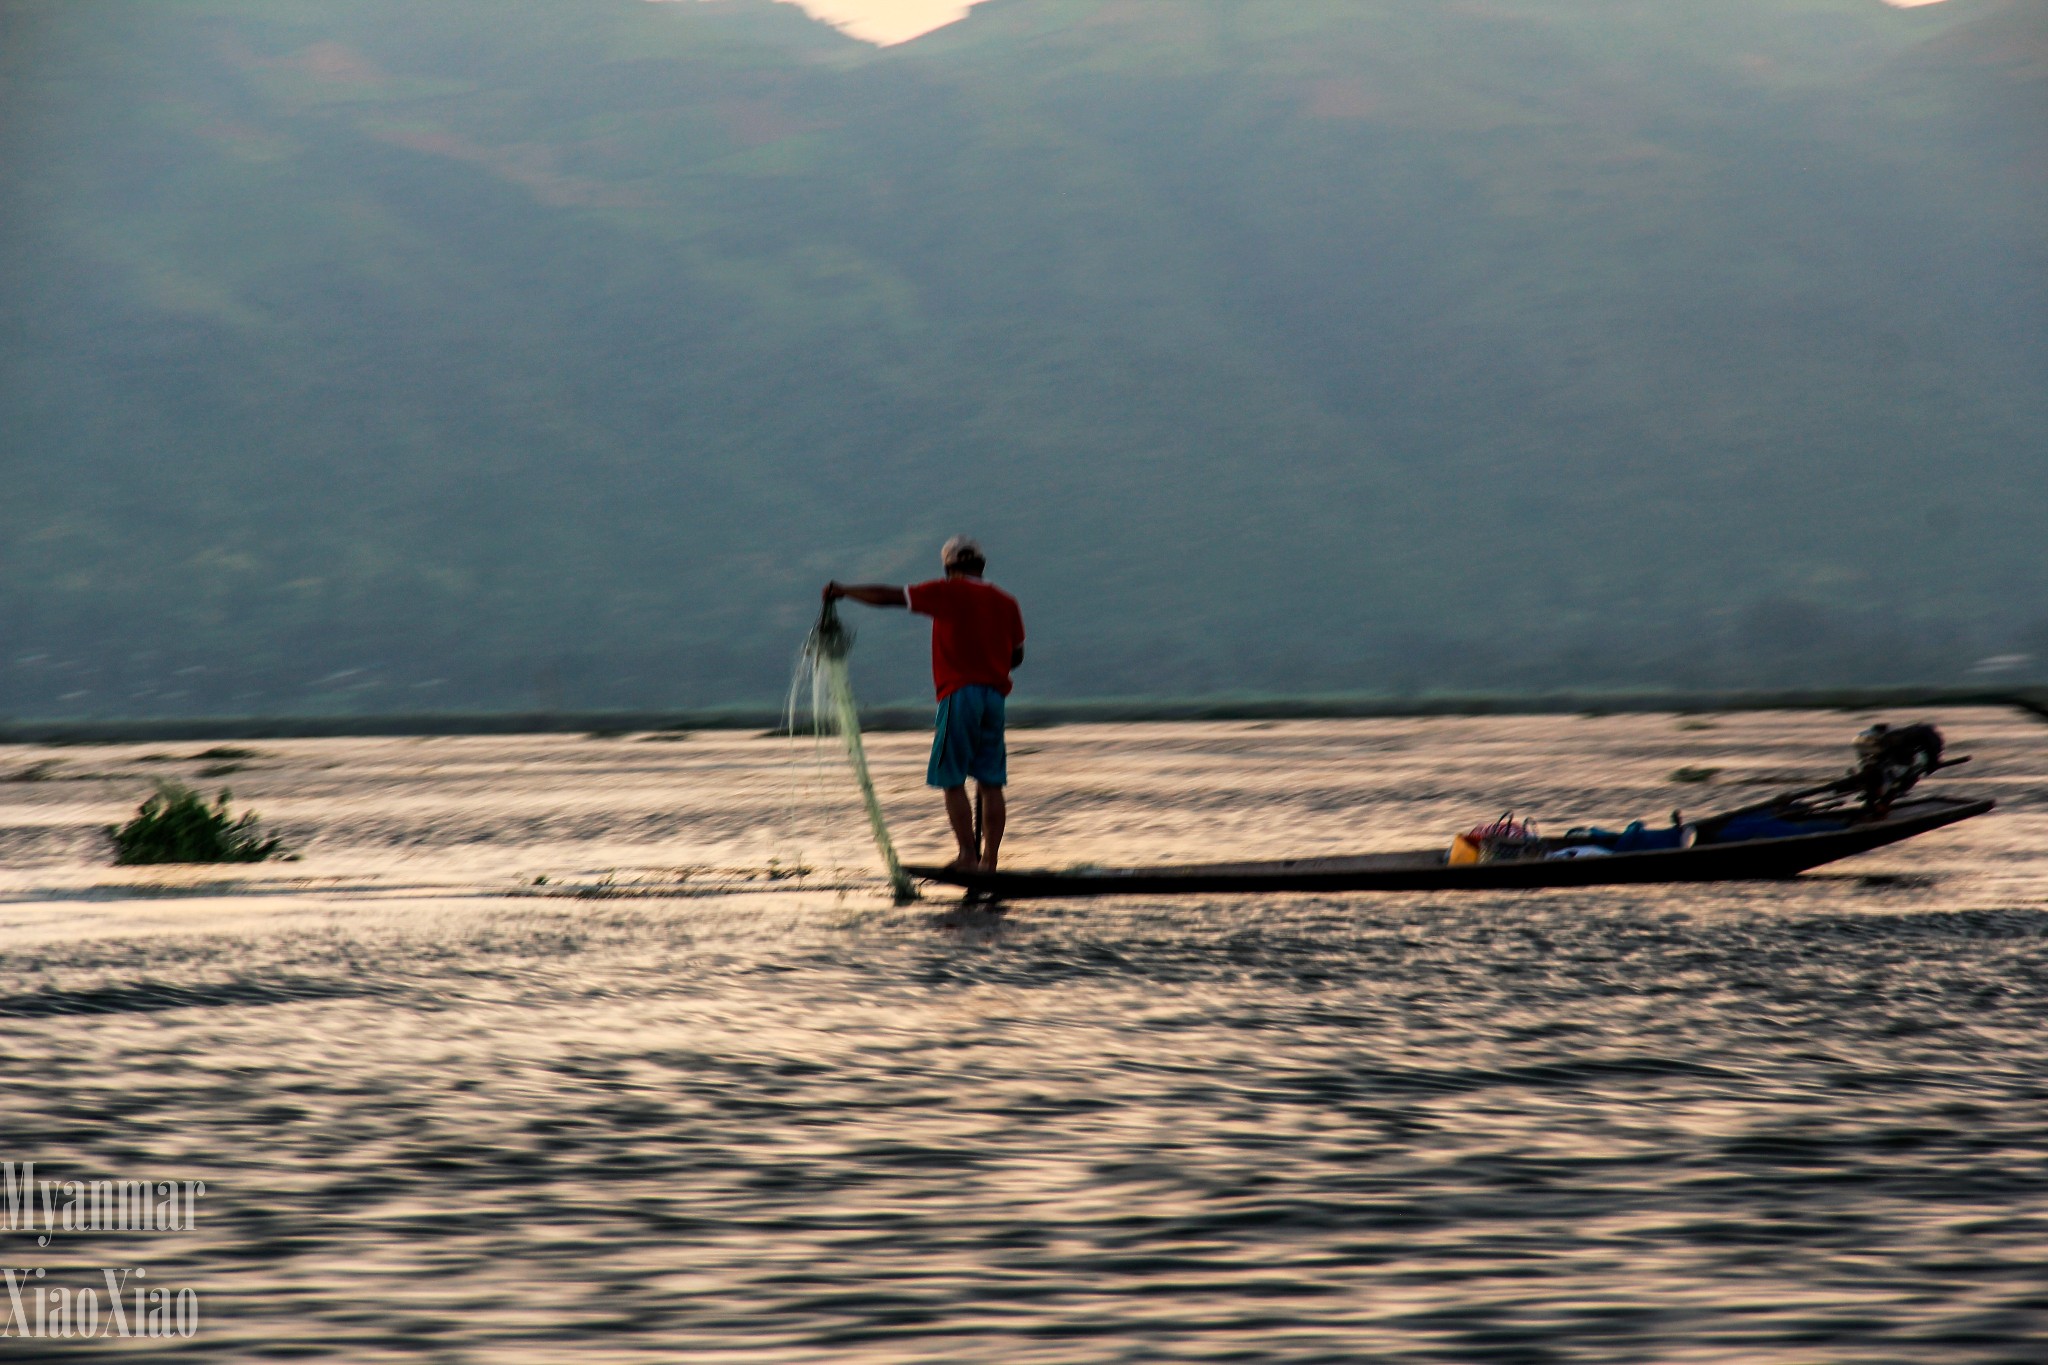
(874,594)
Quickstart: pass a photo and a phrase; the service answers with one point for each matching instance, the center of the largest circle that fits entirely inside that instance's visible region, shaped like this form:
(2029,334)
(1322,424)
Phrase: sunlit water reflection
(702,1093)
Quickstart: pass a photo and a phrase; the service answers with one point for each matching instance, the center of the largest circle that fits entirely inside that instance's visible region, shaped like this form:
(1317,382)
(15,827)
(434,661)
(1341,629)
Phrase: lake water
(703,1094)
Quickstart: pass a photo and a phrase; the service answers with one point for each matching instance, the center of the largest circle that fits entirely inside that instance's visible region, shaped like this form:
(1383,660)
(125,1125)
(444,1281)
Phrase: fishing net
(823,663)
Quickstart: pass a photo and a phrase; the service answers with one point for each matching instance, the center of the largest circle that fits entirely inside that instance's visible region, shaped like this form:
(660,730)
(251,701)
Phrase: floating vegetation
(776,872)
(1694,774)
(683,883)
(177,826)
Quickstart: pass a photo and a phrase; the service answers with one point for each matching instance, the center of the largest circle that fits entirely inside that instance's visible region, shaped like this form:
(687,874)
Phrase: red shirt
(976,629)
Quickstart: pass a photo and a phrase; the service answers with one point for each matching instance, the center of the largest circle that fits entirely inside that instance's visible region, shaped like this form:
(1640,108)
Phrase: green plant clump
(177,826)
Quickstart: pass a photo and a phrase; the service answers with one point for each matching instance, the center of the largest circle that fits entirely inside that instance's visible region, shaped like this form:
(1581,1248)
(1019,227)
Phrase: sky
(896,21)
(886,21)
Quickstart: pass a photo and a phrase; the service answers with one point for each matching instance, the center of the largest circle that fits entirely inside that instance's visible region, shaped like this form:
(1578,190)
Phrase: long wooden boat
(1708,860)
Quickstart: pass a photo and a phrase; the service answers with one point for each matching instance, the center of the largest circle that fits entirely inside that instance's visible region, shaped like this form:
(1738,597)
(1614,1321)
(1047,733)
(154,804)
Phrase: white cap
(959,548)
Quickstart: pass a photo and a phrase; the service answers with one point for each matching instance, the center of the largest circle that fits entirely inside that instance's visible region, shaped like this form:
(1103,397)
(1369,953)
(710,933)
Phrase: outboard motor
(1890,761)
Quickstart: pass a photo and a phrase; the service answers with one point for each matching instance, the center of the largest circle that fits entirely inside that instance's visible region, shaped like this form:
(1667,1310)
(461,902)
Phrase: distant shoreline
(2033,700)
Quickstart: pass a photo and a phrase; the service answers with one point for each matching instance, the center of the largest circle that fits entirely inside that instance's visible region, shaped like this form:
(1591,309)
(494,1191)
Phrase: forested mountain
(435,354)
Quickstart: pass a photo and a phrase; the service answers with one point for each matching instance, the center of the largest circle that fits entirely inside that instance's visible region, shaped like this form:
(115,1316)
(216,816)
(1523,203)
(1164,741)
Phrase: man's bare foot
(964,863)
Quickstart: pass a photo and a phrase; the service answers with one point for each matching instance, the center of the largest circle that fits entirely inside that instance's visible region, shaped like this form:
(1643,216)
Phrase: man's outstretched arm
(874,594)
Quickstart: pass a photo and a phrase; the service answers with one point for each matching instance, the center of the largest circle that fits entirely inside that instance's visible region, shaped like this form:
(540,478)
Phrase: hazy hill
(375,354)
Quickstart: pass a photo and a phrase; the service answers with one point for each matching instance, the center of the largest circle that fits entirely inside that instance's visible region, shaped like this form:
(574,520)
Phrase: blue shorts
(968,740)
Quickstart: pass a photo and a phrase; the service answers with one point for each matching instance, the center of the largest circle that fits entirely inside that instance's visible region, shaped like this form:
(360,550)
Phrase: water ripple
(1792,1121)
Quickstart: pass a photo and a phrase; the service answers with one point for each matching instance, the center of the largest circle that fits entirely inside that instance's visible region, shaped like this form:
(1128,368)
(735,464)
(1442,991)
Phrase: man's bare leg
(994,810)
(961,815)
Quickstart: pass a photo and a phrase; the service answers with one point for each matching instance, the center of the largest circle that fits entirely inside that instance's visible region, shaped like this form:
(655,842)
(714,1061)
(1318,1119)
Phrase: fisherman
(977,638)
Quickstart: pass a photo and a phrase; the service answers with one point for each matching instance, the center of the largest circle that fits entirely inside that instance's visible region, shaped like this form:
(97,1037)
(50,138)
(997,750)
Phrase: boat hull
(1426,870)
